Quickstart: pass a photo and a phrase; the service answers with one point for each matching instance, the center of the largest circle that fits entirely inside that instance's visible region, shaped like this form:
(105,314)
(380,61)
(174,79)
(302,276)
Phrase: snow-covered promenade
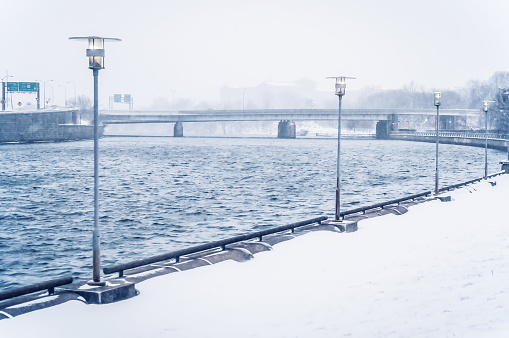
(440,270)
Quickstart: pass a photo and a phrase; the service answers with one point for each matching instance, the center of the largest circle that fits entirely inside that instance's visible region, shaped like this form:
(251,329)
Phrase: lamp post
(486,107)
(505,97)
(243,97)
(173,95)
(65,94)
(44,82)
(3,91)
(340,89)
(95,54)
(438,97)
(74,91)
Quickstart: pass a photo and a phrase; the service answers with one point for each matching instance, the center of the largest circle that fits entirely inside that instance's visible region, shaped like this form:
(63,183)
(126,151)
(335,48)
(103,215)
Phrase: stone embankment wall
(43,126)
(493,143)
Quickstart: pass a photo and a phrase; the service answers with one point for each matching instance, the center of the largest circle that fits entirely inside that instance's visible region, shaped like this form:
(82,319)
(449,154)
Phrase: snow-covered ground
(440,270)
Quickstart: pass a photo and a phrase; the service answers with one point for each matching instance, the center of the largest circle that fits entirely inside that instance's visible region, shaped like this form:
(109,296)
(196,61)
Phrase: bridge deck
(124,117)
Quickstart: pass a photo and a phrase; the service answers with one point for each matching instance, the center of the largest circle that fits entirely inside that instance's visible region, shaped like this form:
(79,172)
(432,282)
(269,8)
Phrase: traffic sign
(12,86)
(22,86)
(127,97)
(28,86)
(117,97)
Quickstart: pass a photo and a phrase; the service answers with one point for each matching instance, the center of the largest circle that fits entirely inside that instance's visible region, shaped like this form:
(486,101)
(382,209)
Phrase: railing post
(436,159)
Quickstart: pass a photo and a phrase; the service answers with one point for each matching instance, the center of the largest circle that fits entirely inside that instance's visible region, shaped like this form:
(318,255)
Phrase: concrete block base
(444,198)
(343,226)
(113,291)
(505,166)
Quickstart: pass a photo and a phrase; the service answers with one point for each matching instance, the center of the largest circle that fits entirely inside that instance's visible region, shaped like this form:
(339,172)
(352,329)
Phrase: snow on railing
(25,290)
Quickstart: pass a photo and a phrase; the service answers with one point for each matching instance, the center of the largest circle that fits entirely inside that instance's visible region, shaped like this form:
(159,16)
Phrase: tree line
(412,96)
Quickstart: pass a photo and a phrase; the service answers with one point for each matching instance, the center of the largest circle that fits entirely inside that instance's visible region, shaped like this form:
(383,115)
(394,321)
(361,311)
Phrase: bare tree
(500,112)
(85,108)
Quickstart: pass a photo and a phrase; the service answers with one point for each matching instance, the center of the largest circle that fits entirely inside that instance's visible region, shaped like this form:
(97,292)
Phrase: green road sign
(22,86)
(127,97)
(117,97)
(12,86)
(28,86)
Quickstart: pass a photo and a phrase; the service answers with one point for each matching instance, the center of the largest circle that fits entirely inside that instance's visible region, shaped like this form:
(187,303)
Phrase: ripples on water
(162,194)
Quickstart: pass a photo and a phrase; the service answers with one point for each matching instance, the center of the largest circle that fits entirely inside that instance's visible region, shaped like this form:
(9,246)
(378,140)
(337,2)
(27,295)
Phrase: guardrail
(459,185)
(397,201)
(25,290)
(259,234)
(52,284)
(494,141)
(207,246)
(384,204)
(466,134)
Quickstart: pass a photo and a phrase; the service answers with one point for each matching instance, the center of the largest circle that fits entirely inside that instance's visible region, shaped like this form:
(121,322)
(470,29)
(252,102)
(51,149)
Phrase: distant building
(275,95)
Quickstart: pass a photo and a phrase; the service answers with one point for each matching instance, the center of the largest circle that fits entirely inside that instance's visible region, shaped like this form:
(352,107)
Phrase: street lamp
(340,91)
(44,90)
(486,107)
(505,97)
(65,94)
(3,91)
(438,97)
(173,95)
(74,91)
(95,54)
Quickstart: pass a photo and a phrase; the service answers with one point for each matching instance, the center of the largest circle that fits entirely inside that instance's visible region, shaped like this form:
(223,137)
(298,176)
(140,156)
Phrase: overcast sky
(196,46)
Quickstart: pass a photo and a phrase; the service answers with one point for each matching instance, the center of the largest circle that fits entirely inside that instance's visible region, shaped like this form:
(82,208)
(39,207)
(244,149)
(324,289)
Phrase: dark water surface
(163,194)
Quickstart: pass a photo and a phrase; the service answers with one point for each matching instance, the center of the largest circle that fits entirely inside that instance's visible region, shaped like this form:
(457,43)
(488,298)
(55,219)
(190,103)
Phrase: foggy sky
(196,46)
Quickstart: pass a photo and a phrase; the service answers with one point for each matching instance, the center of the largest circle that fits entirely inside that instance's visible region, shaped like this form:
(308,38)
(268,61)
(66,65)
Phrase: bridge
(387,118)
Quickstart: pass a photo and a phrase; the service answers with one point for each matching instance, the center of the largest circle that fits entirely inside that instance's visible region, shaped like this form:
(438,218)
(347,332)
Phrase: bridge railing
(466,134)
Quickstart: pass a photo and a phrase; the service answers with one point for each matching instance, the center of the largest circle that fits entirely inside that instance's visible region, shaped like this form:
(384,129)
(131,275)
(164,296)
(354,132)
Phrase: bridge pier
(384,127)
(393,122)
(178,129)
(286,129)
(382,130)
(450,122)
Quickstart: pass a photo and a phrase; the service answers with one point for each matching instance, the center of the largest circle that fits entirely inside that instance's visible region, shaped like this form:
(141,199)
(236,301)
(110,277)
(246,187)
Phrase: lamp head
(486,105)
(340,87)
(95,51)
(438,97)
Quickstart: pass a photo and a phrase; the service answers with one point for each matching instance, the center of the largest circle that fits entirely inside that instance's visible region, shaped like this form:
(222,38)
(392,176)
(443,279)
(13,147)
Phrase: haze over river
(162,194)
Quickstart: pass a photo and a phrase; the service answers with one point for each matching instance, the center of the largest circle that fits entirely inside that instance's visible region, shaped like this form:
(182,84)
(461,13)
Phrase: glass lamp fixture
(95,51)
(438,97)
(340,84)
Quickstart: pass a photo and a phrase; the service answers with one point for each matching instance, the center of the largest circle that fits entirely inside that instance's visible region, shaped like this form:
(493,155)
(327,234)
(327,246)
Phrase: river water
(162,194)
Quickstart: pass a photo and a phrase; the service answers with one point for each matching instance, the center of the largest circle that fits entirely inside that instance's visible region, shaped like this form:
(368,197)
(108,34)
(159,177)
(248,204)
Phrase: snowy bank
(440,270)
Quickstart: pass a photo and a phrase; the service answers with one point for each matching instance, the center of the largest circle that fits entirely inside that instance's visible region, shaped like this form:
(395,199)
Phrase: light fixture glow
(95,51)
(438,97)
(340,87)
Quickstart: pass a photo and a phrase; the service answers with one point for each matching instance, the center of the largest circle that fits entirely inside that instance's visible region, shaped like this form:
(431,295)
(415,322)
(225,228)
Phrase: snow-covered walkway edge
(440,270)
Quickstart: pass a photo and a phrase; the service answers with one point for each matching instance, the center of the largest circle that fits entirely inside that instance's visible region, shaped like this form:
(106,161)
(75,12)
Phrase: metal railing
(479,179)
(207,246)
(397,201)
(384,204)
(259,234)
(465,134)
(51,284)
(25,290)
